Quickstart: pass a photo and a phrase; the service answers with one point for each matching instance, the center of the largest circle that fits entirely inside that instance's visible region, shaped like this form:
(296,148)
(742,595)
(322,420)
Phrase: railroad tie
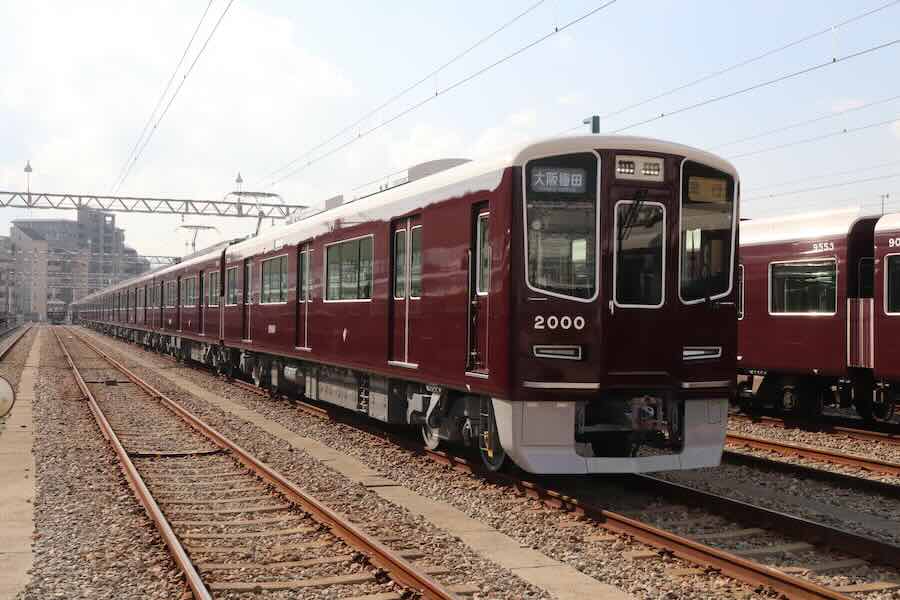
(249,534)
(235,586)
(274,566)
(776,549)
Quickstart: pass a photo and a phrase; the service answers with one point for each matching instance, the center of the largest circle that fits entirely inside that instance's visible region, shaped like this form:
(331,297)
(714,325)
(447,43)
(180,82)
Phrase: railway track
(232,524)
(10,337)
(885,434)
(865,463)
(729,536)
(797,557)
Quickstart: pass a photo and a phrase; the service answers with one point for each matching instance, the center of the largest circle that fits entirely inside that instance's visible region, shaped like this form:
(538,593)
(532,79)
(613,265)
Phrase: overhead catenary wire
(824,117)
(162,96)
(892,163)
(172,98)
(407,89)
(820,188)
(817,138)
(762,84)
(743,63)
(438,93)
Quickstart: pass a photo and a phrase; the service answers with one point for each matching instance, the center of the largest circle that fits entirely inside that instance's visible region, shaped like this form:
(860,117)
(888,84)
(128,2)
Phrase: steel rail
(852,482)
(826,427)
(13,341)
(398,568)
(821,454)
(694,552)
(198,588)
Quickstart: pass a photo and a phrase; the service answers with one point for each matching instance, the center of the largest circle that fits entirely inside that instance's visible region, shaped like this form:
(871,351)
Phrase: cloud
(80,80)
(515,128)
(570,99)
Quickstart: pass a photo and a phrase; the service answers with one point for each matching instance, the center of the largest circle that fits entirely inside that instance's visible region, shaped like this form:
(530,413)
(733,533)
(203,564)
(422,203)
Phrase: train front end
(624,307)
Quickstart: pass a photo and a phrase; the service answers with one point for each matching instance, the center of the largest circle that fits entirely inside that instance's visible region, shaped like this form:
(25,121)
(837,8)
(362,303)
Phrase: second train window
(803,287)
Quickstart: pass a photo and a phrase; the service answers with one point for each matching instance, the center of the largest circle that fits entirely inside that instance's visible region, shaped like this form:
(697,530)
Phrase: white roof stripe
(800,226)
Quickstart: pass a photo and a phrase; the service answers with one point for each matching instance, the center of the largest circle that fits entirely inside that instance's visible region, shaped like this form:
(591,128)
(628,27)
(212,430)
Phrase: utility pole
(884,199)
(28,178)
(594,122)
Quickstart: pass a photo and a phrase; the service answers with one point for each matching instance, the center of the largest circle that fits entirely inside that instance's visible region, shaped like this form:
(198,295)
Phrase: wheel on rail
(884,403)
(7,397)
(789,401)
(494,457)
(430,437)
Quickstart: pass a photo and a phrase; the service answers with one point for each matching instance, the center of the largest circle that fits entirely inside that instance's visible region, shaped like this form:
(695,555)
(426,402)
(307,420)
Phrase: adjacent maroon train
(819,320)
(569,306)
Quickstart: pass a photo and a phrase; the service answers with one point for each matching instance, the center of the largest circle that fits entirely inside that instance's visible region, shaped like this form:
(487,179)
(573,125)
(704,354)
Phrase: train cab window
(707,233)
(740,292)
(274,280)
(808,287)
(561,221)
(415,262)
(892,284)
(231,287)
(483,260)
(400,264)
(212,285)
(640,254)
(348,270)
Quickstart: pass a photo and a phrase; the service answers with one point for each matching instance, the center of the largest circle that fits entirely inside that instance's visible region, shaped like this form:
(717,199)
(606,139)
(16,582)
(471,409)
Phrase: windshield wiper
(631,216)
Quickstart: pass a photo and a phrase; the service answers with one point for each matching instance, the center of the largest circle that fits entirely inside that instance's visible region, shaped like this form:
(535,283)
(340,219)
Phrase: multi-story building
(61,260)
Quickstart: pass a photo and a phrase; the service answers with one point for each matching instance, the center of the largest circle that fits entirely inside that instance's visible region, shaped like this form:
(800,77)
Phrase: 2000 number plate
(557,322)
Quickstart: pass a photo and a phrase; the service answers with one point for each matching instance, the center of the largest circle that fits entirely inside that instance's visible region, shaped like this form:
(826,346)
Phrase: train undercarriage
(634,431)
(807,396)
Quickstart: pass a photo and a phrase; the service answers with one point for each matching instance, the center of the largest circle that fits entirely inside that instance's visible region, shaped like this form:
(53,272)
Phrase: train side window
(483,259)
(189,291)
(415,262)
(400,264)
(803,287)
(892,284)
(274,280)
(740,292)
(231,288)
(348,270)
(171,295)
(212,284)
(640,254)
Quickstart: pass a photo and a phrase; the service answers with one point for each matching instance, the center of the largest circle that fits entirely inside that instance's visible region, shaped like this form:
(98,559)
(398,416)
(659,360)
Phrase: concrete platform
(558,579)
(17,474)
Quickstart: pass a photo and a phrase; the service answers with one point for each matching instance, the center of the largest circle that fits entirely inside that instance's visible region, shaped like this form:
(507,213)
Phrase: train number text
(823,246)
(894,243)
(554,322)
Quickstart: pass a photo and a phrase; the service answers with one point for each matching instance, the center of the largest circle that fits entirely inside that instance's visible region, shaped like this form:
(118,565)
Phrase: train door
(635,276)
(406,289)
(178,303)
(301,328)
(200,301)
(246,299)
(478,297)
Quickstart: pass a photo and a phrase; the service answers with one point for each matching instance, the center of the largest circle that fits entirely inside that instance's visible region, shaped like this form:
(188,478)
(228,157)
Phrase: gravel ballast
(93,539)
(555,534)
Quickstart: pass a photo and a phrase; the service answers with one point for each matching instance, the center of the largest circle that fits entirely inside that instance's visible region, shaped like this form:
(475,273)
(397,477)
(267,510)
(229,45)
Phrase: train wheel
(493,457)
(884,405)
(430,437)
(790,400)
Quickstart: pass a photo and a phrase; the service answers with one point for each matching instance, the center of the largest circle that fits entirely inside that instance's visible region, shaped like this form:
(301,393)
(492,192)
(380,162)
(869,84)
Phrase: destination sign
(558,179)
(708,189)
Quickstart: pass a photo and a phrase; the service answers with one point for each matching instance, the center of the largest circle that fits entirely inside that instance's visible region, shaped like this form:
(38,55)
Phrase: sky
(280,77)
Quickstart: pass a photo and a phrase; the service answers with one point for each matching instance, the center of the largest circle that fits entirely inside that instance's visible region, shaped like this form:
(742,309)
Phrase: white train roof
(889,222)
(811,225)
(477,175)
(468,177)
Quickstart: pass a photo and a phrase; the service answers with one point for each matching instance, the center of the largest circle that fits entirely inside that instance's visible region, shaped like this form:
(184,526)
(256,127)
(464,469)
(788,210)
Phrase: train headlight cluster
(641,168)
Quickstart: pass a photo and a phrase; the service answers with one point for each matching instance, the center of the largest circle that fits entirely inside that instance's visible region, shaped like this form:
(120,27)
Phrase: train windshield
(561,225)
(707,233)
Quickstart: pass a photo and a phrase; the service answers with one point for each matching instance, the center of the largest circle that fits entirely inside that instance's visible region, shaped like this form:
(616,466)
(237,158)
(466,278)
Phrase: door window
(640,254)
(303,276)
(415,262)
(483,255)
(740,292)
(231,286)
(400,264)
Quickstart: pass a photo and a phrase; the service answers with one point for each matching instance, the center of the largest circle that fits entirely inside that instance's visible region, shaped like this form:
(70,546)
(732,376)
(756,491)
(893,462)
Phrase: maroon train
(569,306)
(819,321)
